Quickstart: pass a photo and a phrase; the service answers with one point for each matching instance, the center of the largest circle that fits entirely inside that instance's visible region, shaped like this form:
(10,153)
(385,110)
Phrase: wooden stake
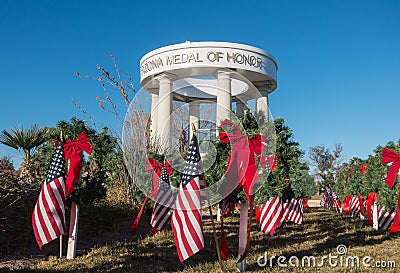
(375,216)
(211,215)
(215,234)
(73,224)
(61,239)
(73,231)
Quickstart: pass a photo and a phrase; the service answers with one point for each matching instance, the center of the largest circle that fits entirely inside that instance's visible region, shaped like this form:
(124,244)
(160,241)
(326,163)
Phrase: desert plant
(26,140)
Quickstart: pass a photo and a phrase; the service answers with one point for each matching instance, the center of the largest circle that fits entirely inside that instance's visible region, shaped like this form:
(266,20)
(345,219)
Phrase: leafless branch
(85,112)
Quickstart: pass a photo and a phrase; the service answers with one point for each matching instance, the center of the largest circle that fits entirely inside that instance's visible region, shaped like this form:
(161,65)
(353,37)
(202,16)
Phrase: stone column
(194,115)
(262,102)
(164,110)
(224,99)
(154,115)
(224,104)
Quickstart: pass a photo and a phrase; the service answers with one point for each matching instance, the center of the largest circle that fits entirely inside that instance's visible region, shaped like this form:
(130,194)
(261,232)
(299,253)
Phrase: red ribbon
(270,160)
(305,203)
(396,220)
(241,163)
(136,222)
(152,165)
(241,171)
(246,250)
(371,199)
(390,156)
(339,204)
(351,173)
(258,215)
(224,248)
(360,200)
(74,151)
(346,204)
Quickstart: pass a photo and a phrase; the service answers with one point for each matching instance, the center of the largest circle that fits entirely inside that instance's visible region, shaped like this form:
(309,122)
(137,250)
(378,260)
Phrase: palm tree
(25,140)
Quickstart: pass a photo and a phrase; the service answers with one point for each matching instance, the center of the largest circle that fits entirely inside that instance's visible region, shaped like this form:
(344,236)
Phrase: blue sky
(339,61)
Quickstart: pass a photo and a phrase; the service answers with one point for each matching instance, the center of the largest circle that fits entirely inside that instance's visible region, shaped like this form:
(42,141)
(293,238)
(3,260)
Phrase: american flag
(354,206)
(48,217)
(327,201)
(267,162)
(323,200)
(284,214)
(385,218)
(203,190)
(186,217)
(335,200)
(163,203)
(295,211)
(271,215)
(334,195)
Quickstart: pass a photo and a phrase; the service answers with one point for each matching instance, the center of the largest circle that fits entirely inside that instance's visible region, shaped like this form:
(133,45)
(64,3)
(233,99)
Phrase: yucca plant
(25,140)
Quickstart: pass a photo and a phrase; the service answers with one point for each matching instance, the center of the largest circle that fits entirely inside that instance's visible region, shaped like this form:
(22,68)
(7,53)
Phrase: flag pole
(61,239)
(210,211)
(61,236)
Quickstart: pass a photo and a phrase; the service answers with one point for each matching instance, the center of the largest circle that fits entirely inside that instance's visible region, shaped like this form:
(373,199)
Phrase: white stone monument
(196,72)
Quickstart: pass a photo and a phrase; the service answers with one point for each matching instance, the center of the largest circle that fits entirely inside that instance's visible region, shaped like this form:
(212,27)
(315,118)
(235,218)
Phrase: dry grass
(321,232)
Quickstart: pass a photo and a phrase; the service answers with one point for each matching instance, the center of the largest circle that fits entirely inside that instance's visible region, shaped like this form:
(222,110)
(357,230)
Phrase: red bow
(346,204)
(351,173)
(241,170)
(153,165)
(389,156)
(74,151)
(363,168)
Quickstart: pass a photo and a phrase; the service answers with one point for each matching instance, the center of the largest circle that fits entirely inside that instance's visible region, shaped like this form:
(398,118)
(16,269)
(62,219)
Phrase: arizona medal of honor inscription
(204,72)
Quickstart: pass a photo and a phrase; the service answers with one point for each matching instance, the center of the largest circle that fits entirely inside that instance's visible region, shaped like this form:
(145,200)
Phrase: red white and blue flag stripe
(186,217)
(385,218)
(163,203)
(48,217)
(295,211)
(354,206)
(327,201)
(271,215)
(275,213)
